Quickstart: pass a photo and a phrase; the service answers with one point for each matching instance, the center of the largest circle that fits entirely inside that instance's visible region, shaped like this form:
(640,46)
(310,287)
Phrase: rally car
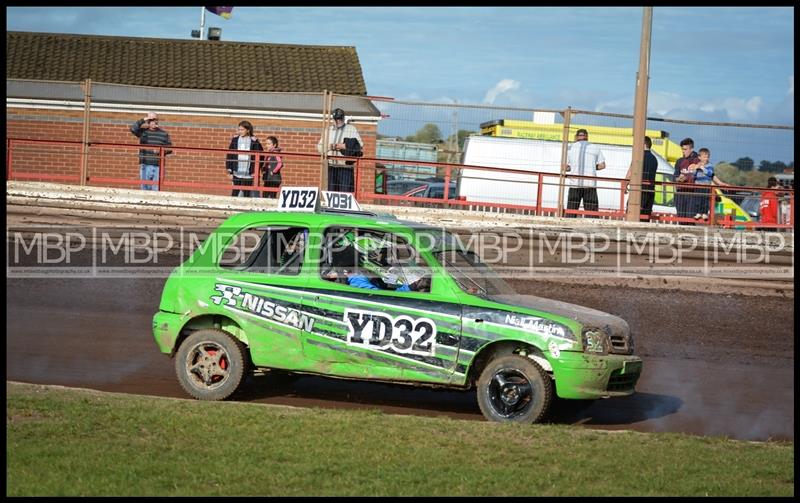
(352,294)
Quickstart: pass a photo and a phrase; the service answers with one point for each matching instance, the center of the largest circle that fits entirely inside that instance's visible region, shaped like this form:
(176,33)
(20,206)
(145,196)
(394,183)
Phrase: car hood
(583,315)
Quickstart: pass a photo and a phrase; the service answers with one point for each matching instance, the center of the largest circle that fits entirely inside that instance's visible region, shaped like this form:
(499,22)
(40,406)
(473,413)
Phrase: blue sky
(730,64)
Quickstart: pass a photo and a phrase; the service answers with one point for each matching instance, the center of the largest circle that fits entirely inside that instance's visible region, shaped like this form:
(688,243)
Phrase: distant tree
(429,133)
(772,167)
(447,152)
(462,136)
(755,179)
(730,173)
(744,164)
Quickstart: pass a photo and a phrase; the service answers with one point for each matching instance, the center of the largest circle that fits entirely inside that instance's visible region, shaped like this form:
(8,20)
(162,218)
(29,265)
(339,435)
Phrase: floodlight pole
(640,120)
(202,22)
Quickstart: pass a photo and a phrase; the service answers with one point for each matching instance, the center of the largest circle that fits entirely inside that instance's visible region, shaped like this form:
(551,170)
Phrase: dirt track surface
(718,365)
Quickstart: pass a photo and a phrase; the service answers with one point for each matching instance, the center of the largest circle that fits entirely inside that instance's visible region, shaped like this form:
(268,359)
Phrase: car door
(386,332)
(260,286)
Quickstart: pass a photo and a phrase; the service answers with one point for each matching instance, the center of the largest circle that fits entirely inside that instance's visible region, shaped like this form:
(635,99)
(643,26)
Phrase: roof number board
(299,199)
(311,199)
(340,201)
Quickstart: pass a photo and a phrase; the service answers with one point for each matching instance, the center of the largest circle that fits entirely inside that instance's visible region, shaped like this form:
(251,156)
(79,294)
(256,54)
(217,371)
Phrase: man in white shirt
(340,174)
(584,159)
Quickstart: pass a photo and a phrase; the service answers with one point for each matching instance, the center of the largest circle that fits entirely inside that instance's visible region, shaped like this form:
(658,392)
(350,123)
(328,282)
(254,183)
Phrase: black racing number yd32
(292,198)
(403,334)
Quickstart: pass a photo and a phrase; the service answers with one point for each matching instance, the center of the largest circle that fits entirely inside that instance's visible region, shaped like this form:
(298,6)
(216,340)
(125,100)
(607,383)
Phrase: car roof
(442,239)
(326,216)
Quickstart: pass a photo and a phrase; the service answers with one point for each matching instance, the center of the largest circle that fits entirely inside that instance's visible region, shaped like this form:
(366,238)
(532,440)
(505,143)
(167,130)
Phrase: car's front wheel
(513,388)
(210,364)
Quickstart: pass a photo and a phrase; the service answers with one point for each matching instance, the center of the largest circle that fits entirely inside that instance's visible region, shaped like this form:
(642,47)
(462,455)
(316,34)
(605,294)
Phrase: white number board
(340,201)
(299,199)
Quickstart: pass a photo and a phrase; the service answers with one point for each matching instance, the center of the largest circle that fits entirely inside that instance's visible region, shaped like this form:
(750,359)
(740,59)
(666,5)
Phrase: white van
(484,186)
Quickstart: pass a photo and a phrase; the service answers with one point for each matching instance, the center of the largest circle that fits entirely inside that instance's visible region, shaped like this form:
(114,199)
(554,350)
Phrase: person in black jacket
(272,174)
(242,166)
(649,168)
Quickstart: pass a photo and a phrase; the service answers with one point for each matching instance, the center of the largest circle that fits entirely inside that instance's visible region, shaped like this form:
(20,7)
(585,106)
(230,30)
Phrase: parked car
(402,185)
(751,204)
(433,190)
(288,291)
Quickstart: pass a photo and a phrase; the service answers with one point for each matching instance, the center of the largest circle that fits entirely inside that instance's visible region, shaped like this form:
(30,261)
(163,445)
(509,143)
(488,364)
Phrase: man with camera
(148,132)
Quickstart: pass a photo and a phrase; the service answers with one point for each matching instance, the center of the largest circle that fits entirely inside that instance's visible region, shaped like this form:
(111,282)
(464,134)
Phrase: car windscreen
(751,205)
(472,275)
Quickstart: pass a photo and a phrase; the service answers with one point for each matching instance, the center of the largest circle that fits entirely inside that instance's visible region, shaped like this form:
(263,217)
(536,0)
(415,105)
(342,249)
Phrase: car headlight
(595,340)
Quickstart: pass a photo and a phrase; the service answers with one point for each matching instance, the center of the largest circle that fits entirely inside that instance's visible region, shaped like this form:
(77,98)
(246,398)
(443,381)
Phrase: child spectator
(704,175)
(272,175)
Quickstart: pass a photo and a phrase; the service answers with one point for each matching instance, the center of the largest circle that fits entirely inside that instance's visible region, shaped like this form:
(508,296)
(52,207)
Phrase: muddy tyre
(513,388)
(210,364)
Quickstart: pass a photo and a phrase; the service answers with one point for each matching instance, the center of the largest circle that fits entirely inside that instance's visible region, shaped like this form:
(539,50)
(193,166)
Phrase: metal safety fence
(474,157)
(536,192)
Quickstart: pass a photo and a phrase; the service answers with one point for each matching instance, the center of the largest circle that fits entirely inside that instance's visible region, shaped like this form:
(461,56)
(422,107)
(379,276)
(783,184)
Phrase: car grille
(619,382)
(621,344)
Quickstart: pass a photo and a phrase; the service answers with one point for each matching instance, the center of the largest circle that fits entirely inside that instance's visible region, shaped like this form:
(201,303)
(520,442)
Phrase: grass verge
(68,442)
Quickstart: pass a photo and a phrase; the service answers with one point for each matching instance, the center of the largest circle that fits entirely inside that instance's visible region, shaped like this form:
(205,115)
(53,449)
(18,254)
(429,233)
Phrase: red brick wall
(184,165)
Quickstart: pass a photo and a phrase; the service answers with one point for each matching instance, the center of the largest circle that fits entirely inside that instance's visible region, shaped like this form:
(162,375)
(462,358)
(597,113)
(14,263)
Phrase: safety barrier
(73,155)
(538,205)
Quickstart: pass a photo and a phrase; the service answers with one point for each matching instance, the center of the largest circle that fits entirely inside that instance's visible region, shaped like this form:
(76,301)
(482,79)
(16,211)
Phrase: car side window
(373,260)
(436,191)
(267,250)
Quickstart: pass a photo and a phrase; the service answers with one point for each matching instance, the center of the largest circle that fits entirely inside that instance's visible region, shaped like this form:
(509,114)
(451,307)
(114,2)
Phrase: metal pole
(202,22)
(640,119)
(327,99)
(564,143)
(9,158)
(87,104)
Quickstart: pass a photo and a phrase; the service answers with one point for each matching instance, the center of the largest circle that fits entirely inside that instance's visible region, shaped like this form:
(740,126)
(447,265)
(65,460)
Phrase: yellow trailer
(510,128)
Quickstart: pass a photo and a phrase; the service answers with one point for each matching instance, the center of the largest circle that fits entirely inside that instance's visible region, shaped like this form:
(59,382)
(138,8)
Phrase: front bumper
(166,327)
(587,376)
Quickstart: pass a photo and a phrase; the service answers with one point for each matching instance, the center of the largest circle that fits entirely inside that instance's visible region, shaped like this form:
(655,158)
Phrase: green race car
(358,295)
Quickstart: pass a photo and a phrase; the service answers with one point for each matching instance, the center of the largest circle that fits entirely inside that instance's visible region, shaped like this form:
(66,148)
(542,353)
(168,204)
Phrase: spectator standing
(649,168)
(768,208)
(149,133)
(242,166)
(343,140)
(703,176)
(584,159)
(684,202)
(272,174)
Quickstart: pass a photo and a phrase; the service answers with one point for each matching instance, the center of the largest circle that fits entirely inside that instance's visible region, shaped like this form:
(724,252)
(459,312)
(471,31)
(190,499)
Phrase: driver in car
(375,272)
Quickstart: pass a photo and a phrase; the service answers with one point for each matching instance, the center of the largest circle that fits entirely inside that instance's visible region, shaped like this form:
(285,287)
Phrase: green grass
(64,442)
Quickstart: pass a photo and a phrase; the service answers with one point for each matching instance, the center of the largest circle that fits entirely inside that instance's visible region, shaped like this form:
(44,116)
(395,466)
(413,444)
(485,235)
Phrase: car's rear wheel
(513,388)
(210,364)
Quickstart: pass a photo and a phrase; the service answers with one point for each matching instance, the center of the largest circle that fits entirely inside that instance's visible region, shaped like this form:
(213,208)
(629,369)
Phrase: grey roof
(184,64)
(355,106)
